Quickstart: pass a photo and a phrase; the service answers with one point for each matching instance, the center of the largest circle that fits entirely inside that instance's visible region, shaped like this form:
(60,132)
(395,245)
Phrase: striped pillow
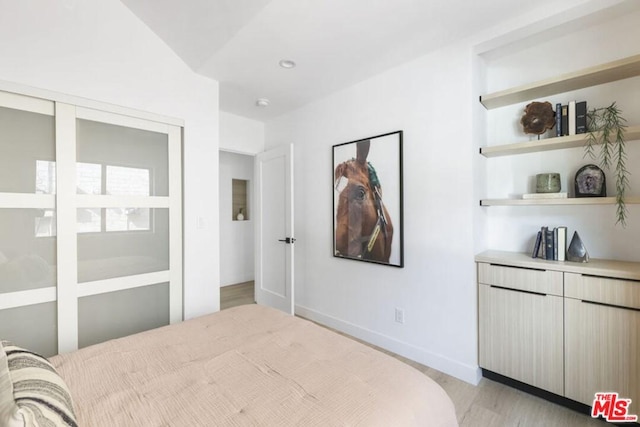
(32,394)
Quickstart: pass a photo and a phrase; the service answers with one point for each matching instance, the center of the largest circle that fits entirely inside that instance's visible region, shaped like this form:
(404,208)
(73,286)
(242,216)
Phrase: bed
(245,366)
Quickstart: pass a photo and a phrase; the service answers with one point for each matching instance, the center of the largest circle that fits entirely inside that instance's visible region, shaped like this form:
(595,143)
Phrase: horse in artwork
(363,227)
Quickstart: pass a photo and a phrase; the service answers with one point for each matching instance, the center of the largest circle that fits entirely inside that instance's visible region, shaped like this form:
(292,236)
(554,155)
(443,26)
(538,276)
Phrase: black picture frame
(368,200)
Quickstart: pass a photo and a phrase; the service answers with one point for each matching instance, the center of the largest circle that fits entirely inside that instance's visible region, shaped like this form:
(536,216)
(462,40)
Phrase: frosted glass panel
(128,181)
(89,178)
(118,314)
(122,242)
(128,219)
(27,249)
(33,327)
(121,161)
(27,152)
(90,220)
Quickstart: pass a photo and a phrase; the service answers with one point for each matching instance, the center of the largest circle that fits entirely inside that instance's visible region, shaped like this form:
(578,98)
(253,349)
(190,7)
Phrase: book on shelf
(581,117)
(543,243)
(561,243)
(536,246)
(535,196)
(549,243)
(572,118)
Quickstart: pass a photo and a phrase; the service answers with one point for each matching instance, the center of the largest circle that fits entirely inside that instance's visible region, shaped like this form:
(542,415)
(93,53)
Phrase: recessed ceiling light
(287,63)
(262,102)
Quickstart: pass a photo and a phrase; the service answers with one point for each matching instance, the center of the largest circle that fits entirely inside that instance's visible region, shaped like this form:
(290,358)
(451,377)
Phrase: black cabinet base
(546,395)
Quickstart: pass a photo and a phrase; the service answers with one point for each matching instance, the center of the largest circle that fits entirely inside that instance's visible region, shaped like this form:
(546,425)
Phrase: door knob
(288,240)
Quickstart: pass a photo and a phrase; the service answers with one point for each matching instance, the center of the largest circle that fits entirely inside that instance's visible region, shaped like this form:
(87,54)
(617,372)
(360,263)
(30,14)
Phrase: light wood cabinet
(569,328)
(602,337)
(520,327)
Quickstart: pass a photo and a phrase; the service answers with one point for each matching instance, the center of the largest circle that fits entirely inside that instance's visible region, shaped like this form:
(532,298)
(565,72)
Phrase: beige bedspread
(248,365)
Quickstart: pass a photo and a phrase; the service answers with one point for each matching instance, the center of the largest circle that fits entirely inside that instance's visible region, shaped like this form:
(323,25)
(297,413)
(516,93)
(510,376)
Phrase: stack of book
(571,119)
(551,244)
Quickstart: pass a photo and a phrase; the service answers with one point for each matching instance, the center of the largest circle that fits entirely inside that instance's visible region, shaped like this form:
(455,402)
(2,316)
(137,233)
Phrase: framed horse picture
(367,200)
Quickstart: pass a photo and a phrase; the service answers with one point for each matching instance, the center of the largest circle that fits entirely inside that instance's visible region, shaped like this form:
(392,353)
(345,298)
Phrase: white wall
(430,99)
(514,228)
(435,101)
(236,237)
(240,139)
(98,49)
(241,135)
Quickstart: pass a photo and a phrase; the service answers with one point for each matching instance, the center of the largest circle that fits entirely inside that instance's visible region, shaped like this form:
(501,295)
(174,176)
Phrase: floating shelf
(632,133)
(557,202)
(592,76)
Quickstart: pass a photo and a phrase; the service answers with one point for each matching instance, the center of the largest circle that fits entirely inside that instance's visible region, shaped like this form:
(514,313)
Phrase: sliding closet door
(90,222)
(128,225)
(28,242)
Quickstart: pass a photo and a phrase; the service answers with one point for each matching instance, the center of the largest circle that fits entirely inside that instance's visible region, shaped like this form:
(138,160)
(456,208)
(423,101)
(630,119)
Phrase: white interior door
(274,285)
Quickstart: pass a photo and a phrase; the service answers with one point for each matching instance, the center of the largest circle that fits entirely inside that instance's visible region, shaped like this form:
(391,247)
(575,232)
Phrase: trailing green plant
(606,129)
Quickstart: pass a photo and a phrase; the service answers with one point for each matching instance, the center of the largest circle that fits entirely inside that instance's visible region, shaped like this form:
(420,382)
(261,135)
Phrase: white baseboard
(462,371)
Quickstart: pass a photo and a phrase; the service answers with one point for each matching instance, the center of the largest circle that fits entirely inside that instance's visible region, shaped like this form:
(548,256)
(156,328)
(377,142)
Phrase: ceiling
(335,43)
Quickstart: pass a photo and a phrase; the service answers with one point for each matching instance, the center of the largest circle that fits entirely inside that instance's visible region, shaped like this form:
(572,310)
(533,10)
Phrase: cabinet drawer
(524,279)
(619,292)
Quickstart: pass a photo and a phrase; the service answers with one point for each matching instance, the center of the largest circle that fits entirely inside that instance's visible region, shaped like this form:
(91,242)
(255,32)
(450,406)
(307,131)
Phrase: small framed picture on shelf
(590,182)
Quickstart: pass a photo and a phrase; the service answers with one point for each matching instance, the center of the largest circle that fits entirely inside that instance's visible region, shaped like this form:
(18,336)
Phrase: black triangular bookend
(577,251)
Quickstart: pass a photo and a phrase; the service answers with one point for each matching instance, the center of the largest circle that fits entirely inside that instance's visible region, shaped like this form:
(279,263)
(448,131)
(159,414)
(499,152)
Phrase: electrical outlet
(399,315)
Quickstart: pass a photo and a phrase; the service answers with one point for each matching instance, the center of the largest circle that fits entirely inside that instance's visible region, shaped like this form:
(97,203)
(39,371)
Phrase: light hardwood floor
(233,295)
(490,404)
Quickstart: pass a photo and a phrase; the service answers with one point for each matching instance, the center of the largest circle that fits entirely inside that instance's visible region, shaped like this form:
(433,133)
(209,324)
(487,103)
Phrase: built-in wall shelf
(632,133)
(592,76)
(558,202)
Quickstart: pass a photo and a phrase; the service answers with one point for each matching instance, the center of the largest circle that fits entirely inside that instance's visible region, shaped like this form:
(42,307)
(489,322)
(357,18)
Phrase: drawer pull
(519,290)
(610,278)
(521,268)
(610,305)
